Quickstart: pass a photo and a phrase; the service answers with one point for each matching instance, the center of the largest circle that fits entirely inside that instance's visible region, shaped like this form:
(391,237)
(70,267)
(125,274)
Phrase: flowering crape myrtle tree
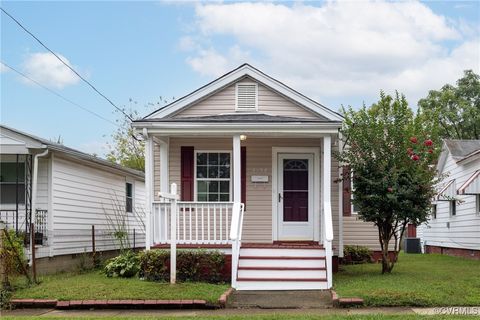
(391,153)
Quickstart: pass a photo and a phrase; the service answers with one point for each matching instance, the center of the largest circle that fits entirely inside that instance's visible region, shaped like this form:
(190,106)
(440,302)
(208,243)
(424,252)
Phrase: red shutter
(186,175)
(347,191)
(243,173)
(411,231)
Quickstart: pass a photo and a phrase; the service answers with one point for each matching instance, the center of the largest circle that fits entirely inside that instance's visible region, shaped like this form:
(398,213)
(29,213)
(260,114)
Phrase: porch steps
(282,267)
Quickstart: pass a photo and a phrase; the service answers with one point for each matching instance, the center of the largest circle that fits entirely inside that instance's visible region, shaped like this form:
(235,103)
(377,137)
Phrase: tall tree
(455,108)
(390,151)
(126,148)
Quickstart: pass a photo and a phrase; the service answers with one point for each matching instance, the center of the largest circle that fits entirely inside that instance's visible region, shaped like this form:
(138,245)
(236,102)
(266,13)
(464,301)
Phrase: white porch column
(164,173)
(327,208)
(327,168)
(237,184)
(149,155)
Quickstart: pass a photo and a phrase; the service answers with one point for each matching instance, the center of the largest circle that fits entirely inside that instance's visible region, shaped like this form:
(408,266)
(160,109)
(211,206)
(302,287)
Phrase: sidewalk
(205,313)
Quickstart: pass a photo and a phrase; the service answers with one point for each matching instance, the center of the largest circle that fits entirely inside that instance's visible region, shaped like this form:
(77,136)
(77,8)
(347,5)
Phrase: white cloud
(45,68)
(3,68)
(338,49)
(211,63)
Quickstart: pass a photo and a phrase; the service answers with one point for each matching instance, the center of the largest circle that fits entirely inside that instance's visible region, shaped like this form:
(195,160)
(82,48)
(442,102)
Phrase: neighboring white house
(65,192)
(248,138)
(454,226)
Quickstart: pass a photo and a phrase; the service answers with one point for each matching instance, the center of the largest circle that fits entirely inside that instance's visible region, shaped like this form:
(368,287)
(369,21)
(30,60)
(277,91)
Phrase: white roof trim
(242,71)
(448,192)
(472,185)
(267,129)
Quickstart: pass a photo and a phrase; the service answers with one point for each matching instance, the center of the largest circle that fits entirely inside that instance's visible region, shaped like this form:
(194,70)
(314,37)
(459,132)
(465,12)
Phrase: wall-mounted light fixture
(243,137)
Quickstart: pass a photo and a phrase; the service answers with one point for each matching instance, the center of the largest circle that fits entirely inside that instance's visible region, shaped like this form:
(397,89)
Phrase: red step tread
(282,268)
(276,246)
(280,258)
(284,279)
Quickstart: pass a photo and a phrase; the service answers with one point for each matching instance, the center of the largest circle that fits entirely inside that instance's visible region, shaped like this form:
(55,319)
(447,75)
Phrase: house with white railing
(74,201)
(252,161)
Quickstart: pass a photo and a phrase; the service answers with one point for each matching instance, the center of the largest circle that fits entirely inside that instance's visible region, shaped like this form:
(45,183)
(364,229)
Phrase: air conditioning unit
(412,245)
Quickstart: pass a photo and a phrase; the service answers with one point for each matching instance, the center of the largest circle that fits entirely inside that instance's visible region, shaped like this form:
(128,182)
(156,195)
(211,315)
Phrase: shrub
(5,296)
(12,252)
(357,254)
(192,265)
(126,265)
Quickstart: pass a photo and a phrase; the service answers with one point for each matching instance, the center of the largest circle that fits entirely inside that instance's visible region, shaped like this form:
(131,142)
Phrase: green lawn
(95,285)
(417,280)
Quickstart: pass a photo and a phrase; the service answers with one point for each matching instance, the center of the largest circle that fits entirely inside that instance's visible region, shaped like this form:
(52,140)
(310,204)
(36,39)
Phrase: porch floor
(273,245)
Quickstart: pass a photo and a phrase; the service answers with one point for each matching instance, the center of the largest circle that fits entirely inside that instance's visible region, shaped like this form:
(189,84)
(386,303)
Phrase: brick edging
(345,302)
(222,301)
(111,304)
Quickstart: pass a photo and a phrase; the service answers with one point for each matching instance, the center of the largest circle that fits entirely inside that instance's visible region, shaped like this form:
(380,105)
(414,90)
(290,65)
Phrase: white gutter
(34,195)
(206,129)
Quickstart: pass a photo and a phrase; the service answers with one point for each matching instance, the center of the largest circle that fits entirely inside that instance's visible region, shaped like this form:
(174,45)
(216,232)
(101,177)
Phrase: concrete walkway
(208,313)
(297,299)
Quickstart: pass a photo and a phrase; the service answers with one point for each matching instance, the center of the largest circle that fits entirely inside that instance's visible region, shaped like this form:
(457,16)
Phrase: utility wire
(67,65)
(58,94)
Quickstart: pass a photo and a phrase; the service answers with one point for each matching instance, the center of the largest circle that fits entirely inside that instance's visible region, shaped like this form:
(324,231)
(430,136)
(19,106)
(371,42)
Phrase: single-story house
(248,138)
(454,225)
(64,192)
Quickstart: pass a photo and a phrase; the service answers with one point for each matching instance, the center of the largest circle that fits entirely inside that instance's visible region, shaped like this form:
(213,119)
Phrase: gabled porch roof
(245,70)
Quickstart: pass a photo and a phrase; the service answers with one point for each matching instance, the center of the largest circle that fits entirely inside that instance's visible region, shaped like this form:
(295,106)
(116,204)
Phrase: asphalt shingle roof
(243,118)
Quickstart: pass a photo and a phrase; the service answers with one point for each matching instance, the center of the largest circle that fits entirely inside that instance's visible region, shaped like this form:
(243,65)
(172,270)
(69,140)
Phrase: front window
(213,181)
(453,208)
(12,182)
(478,204)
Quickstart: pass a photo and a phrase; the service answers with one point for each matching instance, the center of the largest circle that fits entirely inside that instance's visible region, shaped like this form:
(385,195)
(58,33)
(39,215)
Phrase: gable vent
(246,97)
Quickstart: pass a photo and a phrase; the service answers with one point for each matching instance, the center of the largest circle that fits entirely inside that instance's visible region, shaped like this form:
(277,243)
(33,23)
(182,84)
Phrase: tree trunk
(385,236)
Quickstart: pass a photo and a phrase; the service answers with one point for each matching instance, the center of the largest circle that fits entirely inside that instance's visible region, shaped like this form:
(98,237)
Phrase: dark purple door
(295,190)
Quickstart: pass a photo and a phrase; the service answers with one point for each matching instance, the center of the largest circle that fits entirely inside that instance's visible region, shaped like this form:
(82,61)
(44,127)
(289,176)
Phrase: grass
(416,280)
(95,285)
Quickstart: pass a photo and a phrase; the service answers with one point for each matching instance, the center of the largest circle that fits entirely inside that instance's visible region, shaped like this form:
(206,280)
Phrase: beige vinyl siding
(269,102)
(258,215)
(83,196)
(334,196)
(464,230)
(359,233)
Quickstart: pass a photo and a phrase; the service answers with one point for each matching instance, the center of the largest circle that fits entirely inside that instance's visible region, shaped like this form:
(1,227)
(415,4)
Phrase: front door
(295,196)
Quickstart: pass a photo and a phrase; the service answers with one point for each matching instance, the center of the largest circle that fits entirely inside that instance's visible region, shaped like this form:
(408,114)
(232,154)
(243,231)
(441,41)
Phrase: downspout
(35,178)
(34,193)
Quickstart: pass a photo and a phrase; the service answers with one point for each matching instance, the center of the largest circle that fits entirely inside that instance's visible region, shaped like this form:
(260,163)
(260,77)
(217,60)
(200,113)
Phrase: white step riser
(279,263)
(281,285)
(261,252)
(282,274)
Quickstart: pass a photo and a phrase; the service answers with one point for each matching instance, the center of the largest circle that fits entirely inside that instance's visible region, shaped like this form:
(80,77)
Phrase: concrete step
(281,284)
(281,299)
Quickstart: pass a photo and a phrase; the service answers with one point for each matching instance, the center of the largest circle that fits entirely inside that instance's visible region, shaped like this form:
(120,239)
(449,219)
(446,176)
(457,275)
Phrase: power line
(57,94)
(67,65)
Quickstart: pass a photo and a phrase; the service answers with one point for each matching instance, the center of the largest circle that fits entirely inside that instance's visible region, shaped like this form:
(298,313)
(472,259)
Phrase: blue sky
(336,53)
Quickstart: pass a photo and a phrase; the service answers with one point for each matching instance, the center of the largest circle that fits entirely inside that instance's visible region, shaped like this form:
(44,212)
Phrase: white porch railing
(236,237)
(327,239)
(197,222)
